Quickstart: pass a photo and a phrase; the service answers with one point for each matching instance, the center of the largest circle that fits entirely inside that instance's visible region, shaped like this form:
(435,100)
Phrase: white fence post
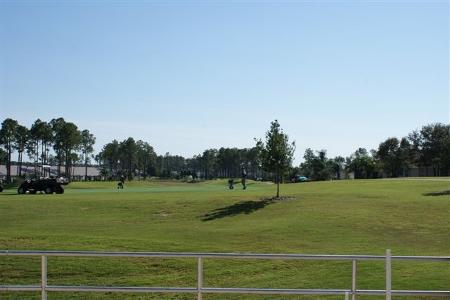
(43,277)
(354,279)
(199,278)
(388,275)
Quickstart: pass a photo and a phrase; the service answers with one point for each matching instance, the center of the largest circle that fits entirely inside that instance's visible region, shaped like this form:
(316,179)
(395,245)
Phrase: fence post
(346,296)
(199,278)
(43,277)
(388,275)
(354,279)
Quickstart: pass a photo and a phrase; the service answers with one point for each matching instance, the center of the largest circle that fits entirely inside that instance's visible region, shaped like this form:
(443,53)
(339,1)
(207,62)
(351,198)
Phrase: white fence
(200,289)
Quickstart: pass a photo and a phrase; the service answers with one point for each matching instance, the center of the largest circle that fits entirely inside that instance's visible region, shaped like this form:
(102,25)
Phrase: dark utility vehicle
(1,186)
(49,186)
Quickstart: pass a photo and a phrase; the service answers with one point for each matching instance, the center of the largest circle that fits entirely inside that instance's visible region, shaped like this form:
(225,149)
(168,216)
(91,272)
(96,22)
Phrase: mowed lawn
(339,217)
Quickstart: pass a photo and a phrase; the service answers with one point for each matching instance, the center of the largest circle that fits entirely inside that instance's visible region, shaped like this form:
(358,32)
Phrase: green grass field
(340,217)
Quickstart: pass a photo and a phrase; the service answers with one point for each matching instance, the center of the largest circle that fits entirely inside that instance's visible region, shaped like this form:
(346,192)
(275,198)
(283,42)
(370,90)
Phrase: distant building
(77,173)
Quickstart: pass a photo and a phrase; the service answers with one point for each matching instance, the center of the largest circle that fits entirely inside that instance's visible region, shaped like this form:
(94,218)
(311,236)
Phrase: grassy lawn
(340,217)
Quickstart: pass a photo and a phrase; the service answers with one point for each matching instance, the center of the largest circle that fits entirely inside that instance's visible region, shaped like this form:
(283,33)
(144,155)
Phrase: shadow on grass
(442,193)
(243,207)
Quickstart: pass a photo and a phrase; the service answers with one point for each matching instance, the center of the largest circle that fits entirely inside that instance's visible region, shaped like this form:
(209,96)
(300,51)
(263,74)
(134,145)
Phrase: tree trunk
(85,170)
(59,163)
(8,165)
(19,166)
(278,185)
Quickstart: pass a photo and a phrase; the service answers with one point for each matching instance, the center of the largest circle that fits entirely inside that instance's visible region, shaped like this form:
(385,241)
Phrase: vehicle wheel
(21,190)
(49,190)
(59,190)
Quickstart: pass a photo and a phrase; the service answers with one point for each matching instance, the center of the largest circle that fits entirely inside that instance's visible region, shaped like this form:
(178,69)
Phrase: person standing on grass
(244,176)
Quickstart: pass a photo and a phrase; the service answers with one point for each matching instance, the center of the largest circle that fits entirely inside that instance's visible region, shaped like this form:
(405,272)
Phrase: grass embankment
(341,217)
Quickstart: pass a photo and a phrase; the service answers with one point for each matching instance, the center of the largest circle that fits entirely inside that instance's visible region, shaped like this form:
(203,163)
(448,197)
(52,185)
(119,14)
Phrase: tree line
(57,142)
(137,158)
(428,148)
(61,143)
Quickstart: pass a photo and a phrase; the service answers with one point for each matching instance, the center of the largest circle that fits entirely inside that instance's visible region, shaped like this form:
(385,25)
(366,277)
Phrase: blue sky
(191,75)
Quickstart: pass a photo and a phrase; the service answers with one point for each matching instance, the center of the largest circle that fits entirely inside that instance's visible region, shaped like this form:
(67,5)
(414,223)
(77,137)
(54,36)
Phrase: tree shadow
(442,193)
(243,207)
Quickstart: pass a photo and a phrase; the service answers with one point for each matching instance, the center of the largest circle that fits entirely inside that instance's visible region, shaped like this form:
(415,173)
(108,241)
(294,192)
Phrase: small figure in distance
(121,182)
(244,176)
(230,183)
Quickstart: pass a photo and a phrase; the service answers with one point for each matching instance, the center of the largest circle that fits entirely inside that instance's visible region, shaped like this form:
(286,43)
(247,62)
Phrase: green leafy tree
(276,152)
(40,138)
(338,166)
(7,140)
(362,164)
(128,152)
(388,156)
(58,137)
(70,141)
(3,156)
(109,157)
(209,162)
(22,134)
(430,148)
(146,159)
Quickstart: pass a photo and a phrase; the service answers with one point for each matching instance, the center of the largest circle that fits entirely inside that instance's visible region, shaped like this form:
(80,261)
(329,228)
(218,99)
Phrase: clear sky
(190,75)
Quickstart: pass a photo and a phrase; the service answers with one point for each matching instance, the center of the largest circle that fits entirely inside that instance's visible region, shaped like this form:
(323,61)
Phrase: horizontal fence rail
(200,289)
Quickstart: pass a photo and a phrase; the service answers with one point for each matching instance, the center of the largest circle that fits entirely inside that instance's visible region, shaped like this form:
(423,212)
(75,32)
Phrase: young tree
(7,139)
(276,153)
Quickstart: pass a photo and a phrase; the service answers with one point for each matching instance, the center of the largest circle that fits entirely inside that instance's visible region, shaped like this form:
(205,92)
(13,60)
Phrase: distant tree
(362,164)
(306,167)
(430,147)
(338,166)
(172,165)
(404,156)
(317,167)
(128,153)
(87,143)
(209,162)
(39,139)
(7,140)
(3,156)
(58,141)
(70,141)
(276,152)
(109,157)
(389,156)
(21,138)
(146,159)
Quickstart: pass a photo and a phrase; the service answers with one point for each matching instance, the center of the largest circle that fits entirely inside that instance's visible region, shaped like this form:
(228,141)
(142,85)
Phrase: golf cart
(47,185)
